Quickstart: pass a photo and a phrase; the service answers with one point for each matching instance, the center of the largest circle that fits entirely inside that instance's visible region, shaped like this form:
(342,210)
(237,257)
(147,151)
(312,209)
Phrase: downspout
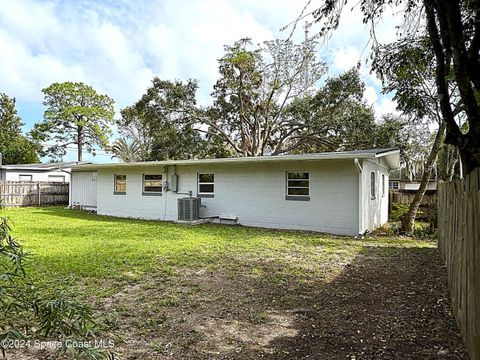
(165,169)
(359,167)
(70,186)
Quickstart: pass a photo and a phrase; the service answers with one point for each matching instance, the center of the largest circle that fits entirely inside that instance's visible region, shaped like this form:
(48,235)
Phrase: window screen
(206,183)
(298,184)
(152,184)
(120,184)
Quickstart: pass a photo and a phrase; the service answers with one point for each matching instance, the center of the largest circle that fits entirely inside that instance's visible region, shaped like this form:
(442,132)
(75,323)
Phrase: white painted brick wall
(375,212)
(253,192)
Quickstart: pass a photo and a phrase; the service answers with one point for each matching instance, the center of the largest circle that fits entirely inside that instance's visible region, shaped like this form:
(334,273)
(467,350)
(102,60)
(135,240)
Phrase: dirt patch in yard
(382,304)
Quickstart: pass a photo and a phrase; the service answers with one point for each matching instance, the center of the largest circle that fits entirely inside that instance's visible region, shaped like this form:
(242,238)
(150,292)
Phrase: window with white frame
(23,177)
(152,184)
(206,185)
(373,185)
(298,186)
(394,185)
(383,185)
(56,178)
(120,184)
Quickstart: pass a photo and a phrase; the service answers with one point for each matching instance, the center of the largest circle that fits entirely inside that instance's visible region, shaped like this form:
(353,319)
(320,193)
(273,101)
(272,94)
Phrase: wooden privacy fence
(459,245)
(22,193)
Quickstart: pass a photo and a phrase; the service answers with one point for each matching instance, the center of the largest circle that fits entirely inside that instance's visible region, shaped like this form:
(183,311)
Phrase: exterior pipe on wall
(357,164)
(360,197)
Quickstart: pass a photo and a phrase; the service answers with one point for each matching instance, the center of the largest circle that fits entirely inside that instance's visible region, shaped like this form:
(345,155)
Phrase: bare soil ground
(386,303)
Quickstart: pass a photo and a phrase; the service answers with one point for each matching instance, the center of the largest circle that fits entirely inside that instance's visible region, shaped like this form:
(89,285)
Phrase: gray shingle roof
(361,154)
(42,166)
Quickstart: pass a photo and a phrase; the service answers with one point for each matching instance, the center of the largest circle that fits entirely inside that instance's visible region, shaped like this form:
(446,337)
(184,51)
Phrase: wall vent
(189,208)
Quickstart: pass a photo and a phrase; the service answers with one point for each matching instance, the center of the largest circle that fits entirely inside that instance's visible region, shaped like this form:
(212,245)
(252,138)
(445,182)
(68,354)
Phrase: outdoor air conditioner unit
(189,208)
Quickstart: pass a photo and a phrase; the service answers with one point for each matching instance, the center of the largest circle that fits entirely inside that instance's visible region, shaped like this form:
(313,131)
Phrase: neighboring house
(410,185)
(402,191)
(334,192)
(52,172)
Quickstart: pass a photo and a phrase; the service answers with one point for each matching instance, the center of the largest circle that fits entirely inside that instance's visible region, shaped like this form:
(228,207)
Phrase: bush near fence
(406,197)
(21,193)
(459,245)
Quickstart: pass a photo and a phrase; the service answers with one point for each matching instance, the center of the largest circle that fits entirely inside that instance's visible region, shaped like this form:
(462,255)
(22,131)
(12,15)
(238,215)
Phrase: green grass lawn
(208,290)
(80,246)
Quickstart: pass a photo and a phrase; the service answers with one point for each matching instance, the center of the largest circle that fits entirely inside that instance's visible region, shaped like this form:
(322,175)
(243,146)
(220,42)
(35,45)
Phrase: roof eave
(227,161)
(392,158)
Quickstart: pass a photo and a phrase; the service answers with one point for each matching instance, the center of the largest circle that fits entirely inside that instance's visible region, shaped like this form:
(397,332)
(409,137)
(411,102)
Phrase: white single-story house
(335,192)
(52,172)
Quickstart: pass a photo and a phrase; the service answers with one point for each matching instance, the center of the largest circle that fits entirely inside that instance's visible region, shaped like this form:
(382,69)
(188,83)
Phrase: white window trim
(115,192)
(56,176)
(205,194)
(383,185)
(29,175)
(297,197)
(158,193)
(390,185)
(373,185)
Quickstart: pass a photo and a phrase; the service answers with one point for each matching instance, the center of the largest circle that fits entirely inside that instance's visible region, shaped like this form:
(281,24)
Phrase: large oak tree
(250,99)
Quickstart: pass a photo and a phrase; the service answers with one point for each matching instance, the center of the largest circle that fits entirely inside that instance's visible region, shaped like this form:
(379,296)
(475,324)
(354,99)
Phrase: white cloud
(370,95)
(188,44)
(345,58)
(118,46)
(386,106)
(116,51)
(350,45)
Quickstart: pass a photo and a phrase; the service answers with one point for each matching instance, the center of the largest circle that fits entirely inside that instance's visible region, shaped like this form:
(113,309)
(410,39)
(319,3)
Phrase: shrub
(423,230)
(392,228)
(398,211)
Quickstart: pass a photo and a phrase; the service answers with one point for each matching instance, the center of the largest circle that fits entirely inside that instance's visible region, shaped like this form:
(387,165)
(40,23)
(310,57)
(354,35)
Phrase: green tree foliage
(260,107)
(127,150)
(248,116)
(253,92)
(14,147)
(339,119)
(76,115)
(336,116)
(163,123)
(453,32)
(408,68)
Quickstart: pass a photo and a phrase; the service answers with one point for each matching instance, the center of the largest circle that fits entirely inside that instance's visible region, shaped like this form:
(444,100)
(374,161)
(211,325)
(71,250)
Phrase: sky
(118,46)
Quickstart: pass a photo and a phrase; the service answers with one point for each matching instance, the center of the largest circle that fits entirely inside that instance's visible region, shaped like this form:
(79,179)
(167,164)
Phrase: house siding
(83,188)
(255,193)
(374,211)
(39,175)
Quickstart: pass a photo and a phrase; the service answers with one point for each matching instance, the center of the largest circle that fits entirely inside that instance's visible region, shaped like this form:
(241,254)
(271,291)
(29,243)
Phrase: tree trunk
(452,161)
(470,153)
(79,143)
(409,218)
(448,44)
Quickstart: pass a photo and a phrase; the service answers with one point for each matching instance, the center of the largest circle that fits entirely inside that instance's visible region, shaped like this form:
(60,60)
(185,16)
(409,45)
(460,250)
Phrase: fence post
(39,195)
